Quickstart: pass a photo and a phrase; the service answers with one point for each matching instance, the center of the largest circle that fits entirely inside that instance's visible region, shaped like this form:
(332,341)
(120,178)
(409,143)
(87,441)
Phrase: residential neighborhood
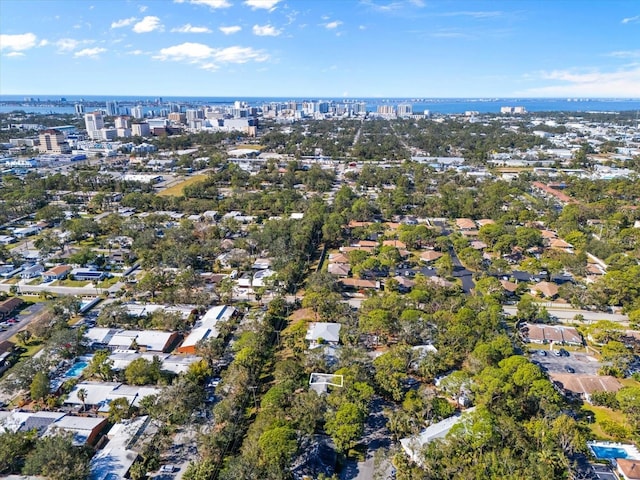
(324,292)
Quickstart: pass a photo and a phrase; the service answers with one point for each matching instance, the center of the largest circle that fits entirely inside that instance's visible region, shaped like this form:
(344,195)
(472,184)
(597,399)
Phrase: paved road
(568,314)
(23,318)
(81,291)
(459,271)
(376,436)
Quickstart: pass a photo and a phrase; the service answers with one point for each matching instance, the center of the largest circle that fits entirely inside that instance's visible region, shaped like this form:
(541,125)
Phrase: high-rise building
(53,141)
(121,122)
(140,130)
(177,117)
(112,108)
(94,122)
(404,109)
(386,110)
(137,112)
(194,114)
(79,109)
(359,108)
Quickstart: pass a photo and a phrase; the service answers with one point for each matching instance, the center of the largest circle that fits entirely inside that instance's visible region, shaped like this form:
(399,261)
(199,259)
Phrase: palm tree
(82,395)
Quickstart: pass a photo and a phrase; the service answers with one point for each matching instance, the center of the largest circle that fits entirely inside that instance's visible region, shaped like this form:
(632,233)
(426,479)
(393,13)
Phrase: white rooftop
(413,445)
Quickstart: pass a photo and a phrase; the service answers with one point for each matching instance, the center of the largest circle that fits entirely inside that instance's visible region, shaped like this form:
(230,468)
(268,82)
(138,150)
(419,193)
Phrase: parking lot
(580,362)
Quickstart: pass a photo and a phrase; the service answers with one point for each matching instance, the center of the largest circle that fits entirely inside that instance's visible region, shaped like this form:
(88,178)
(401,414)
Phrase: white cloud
(142,8)
(473,14)
(209,58)
(23,41)
(186,51)
(631,19)
(125,22)
(147,24)
(43,43)
(392,7)
(238,54)
(89,52)
(333,25)
(188,28)
(67,44)
(14,54)
(266,31)
(230,30)
(264,4)
(625,54)
(135,52)
(620,83)
(215,4)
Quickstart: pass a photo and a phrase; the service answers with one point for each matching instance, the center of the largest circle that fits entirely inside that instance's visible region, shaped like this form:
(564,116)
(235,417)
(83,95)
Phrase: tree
(82,396)
(23,337)
(277,446)
(15,447)
(101,366)
(629,400)
(56,457)
(345,426)
(444,265)
(143,372)
(40,387)
(119,409)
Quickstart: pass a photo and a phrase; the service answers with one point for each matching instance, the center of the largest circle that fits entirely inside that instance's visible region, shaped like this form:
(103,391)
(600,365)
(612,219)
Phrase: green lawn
(177,190)
(108,282)
(603,413)
(72,283)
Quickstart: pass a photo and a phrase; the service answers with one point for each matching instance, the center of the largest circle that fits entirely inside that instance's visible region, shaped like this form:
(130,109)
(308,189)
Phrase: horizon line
(486,97)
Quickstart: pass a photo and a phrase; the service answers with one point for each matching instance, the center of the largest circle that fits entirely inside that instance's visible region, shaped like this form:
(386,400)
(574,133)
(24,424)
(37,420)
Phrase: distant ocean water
(51,103)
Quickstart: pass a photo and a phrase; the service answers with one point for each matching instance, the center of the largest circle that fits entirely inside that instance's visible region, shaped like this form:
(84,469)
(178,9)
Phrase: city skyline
(365,48)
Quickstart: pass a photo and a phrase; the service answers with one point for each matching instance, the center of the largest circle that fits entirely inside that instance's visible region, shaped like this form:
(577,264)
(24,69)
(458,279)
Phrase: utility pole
(255,401)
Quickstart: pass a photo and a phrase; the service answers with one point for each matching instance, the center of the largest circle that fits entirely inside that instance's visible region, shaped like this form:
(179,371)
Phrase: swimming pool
(609,452)
(76,369)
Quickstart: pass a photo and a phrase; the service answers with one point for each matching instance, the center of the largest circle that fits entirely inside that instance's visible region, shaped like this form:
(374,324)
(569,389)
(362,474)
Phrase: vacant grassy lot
(177,190)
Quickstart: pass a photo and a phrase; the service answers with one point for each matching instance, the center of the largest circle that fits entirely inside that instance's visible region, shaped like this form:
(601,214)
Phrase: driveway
(376,436)
(459,271)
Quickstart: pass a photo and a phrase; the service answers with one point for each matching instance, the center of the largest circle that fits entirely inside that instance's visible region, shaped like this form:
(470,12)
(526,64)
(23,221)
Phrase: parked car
(542,353)
(569,369)
(168,468)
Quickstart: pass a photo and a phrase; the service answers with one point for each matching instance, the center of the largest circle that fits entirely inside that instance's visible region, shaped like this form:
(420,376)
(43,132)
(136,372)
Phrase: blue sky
(331,48)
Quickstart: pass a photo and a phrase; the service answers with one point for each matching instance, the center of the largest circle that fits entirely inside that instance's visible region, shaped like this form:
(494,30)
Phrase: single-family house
(7,239)
(465,224)
(32,272)
(413,445)
(547,289)
(205,328)
(338,258)
(320,333)
(26,231)
(339,269)
(56,273)
(261,276)
(88,274)
(430,256)
(359,283)
(628,469)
